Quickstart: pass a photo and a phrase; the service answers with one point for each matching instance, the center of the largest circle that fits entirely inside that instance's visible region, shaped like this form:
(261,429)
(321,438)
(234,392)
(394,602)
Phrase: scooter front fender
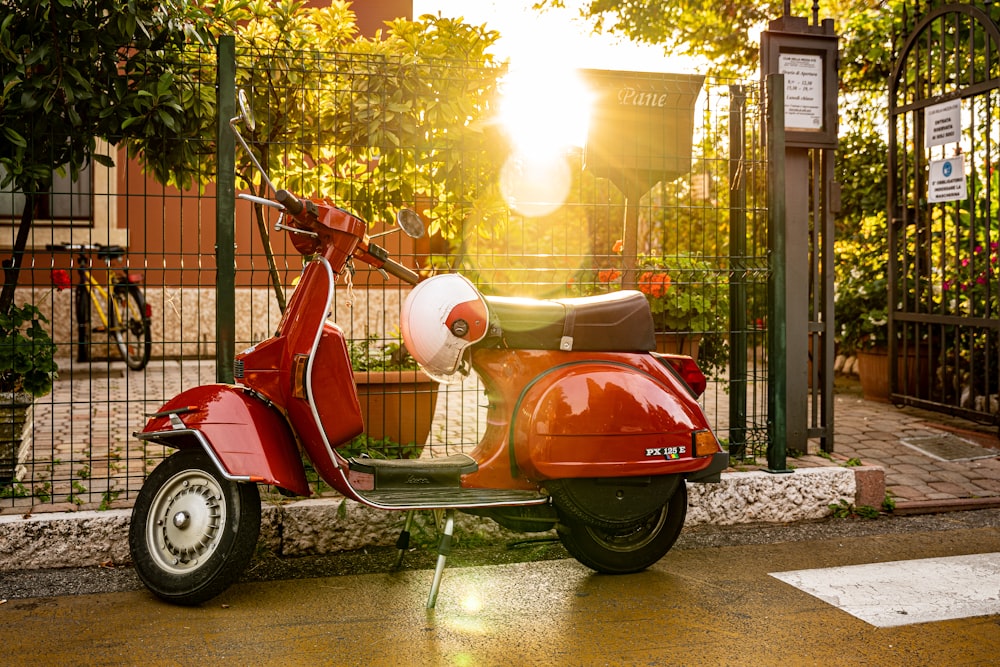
(248,439)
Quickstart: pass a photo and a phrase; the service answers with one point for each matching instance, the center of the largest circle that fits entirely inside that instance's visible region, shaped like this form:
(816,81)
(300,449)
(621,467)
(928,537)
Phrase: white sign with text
(947,180)
(803,90)
(943,123)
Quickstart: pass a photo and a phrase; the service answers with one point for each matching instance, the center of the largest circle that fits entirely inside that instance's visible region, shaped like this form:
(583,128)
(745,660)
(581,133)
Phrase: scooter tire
(625,550)
(193,531)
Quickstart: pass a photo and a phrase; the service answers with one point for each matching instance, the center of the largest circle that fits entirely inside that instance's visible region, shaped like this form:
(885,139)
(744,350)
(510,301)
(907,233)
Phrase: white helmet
(441,318)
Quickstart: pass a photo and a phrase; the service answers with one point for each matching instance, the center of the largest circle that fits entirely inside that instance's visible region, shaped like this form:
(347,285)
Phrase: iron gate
(944,233)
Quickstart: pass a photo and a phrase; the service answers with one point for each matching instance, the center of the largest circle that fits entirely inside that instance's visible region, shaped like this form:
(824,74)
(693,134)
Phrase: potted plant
(861,306)
(397,398)
(690,307)
(861,300)
(27,369)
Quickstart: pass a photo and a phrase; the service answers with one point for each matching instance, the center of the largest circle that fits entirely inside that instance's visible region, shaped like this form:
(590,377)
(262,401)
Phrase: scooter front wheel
(626,549)
(193,531)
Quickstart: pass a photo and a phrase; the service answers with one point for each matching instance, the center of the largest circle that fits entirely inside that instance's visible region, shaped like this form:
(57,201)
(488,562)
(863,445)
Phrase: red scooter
(588,431)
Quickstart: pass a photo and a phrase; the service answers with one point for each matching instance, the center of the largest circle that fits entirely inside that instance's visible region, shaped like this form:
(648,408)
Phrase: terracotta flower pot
(398,405)
(873,371)
(678,343)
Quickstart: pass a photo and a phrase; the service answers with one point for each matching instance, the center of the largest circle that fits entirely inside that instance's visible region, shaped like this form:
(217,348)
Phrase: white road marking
(907,591)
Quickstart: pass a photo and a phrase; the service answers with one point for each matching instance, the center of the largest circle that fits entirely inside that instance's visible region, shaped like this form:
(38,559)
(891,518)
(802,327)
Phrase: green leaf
(167,119)
(14,137)
(164,84)
(38,54)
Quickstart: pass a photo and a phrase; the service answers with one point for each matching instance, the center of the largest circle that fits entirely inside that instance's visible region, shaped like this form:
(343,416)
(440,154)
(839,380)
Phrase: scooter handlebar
(371,253)
(379,258)
(289,201)
(397,270)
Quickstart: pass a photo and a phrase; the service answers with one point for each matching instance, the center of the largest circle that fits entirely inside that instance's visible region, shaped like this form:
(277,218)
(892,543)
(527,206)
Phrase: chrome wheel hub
(185,521)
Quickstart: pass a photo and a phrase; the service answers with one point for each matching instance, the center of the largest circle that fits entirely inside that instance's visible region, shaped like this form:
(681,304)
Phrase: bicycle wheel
(130,325)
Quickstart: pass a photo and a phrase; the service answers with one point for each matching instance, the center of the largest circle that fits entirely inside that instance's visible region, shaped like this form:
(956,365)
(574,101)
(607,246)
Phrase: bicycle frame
(121,307)
(98,295)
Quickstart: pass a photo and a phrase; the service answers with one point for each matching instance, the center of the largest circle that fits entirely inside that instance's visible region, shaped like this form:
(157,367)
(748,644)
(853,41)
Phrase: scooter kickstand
(444,549)
(403,541)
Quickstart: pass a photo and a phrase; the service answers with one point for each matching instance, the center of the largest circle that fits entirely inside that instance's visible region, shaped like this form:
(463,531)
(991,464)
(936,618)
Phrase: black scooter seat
(614,322)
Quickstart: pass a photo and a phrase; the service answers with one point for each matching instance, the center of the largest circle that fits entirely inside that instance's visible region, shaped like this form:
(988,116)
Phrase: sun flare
(535,185)
(544,112)
(545,109)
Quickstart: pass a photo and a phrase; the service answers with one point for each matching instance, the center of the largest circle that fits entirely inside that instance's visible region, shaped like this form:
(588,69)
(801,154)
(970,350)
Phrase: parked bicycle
(127,316)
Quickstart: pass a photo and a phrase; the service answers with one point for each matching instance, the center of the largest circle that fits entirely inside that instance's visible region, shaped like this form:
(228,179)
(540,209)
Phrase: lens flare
(535,185)
(472,603)
(544,112)
(545,109)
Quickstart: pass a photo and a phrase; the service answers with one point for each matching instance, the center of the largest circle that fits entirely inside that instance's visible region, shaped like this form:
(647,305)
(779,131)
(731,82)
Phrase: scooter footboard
(247,439)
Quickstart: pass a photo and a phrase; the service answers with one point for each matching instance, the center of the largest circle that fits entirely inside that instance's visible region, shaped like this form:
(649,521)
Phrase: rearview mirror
(410,222)
(246,111)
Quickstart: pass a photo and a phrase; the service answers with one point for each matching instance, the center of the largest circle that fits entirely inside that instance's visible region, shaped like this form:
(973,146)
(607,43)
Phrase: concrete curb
(330,525)
(949,505)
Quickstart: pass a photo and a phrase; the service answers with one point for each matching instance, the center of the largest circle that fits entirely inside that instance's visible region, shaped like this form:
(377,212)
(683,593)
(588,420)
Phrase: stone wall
(330,525)
(183,323)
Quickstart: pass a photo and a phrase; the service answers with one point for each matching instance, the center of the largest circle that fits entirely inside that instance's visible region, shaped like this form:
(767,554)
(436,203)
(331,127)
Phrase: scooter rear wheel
(193,531)
(626,549)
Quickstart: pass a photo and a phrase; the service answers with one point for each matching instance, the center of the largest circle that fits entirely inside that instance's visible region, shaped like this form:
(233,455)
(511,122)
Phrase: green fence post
(777,316)
(225,212)
(737,271)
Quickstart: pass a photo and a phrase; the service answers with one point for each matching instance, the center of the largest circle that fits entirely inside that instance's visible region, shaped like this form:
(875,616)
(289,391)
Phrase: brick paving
(874,433)
(83,453)
(83,442)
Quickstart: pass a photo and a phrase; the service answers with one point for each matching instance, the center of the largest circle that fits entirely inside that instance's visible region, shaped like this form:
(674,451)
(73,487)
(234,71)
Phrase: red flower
(654,284)
(608,275)
(617,247)
(60,279)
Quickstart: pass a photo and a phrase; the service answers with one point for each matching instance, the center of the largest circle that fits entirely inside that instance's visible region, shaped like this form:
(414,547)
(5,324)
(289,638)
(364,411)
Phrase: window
(80,211)
(67,201)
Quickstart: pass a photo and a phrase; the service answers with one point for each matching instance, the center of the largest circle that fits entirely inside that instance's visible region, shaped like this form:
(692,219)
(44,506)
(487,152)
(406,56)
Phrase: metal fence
(341,126)
(944,329)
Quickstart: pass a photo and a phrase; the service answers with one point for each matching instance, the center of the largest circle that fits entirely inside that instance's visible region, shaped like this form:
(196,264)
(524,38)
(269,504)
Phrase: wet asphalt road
(709,601)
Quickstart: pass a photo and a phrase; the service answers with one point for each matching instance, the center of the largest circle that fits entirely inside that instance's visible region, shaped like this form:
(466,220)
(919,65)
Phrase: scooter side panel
(334,397)
(326,385)
(333,389)
(605,418)
(247,437)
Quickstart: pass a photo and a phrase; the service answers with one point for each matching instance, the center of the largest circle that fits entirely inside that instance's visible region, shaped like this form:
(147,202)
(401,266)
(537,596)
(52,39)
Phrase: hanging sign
(641,126)
(947,180)
(943,123)
(803,90)
(806,57)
